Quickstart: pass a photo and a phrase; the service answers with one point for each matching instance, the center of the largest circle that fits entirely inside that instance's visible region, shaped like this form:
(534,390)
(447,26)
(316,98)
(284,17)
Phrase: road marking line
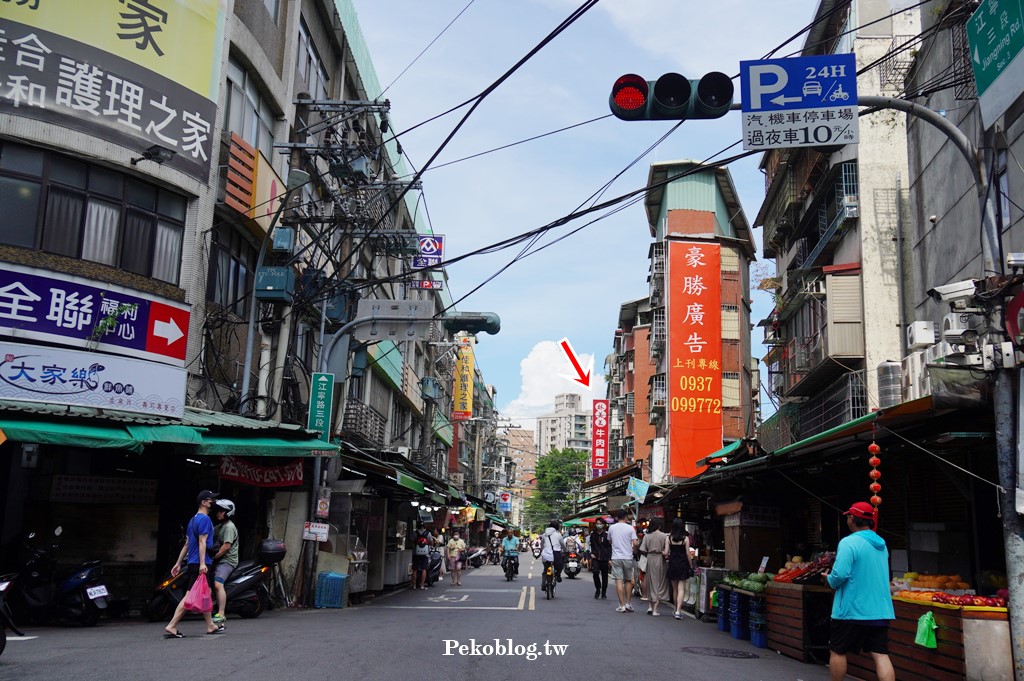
(522,599)
(447,607)
(533,597)
(28,638)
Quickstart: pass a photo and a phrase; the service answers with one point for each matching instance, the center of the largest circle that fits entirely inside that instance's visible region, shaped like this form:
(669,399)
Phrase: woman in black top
(680,568)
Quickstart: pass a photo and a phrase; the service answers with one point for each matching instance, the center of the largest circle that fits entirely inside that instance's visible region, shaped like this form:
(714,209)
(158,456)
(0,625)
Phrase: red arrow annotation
(581,376)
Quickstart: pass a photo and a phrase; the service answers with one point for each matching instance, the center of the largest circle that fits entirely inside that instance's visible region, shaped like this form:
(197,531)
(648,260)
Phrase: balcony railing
(658,258)
(659,331)
(837,213)
(363,423)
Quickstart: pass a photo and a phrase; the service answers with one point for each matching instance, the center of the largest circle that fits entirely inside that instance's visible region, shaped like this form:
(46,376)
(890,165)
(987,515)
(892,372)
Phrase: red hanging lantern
(875,474)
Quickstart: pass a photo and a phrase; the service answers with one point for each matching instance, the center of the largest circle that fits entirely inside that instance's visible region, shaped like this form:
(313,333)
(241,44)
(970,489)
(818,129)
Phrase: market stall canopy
(618,473)
(245,445)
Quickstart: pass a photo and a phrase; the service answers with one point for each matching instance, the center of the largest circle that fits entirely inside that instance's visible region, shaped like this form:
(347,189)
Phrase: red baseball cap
(862,509)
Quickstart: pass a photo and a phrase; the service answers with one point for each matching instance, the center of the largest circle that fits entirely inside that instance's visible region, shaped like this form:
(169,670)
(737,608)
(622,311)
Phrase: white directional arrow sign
(169,331)
(782,100)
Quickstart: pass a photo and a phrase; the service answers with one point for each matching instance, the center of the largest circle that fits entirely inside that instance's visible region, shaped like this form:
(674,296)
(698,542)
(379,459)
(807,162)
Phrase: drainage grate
(722,652)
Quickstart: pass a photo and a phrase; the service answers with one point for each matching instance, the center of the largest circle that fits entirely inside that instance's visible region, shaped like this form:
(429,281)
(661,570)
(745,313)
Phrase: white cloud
(543,373)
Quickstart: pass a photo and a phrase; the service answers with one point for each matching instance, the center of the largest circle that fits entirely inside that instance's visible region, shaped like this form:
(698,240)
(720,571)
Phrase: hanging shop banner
(69,310)
(463,408)
(239,470)
(135,72)
(30,373)
(599,439)
(694,355)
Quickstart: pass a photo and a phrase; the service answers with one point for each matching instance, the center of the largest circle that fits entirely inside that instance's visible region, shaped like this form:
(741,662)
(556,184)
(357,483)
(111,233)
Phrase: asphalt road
(406,635)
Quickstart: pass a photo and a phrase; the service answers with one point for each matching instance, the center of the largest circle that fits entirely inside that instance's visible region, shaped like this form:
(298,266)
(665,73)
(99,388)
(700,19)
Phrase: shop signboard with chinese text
(637,489)
(431,251)
(463,389)
(60,308)
(315,531)
(136,72)
(321,405)
(599,439)
(799,101)
(694,320)
(239,470)
(505,502)
(30,373)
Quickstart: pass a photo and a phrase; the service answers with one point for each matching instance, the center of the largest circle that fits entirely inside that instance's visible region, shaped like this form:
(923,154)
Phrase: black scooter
(42,593)
(434,566)
(572,565)
(6,621)
(511,564)
(246,587)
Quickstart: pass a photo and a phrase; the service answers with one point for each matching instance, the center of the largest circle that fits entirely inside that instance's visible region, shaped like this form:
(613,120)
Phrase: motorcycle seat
(242,567)
(91,563)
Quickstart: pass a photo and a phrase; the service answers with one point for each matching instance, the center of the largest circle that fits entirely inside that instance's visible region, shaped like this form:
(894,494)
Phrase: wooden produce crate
(973,643)
(798,620)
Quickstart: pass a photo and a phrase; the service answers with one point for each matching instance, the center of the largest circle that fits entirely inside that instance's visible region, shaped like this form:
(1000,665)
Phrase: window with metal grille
(734,375)
(963,73)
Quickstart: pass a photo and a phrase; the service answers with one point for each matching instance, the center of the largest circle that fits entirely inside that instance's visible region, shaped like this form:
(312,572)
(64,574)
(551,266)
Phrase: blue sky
(574,288)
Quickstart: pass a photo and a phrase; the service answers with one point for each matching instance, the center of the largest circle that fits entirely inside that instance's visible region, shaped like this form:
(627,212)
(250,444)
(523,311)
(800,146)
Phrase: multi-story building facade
(703,390)
(522,449)
(630,369)
(567,427)
(196,210)
(830,219)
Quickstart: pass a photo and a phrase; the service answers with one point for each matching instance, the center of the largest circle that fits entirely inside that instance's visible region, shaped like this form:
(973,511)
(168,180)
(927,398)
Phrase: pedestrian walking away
(225,560)
(655,547)
(600,558)
(197,557)
(624,542)
(680,564)
(421,556)
(454,551)
(862,607)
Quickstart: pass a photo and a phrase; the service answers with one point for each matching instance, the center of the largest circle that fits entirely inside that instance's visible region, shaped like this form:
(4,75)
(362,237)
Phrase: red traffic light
(629,97)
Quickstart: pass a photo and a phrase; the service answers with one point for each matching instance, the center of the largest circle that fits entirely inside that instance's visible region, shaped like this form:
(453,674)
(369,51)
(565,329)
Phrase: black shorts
(192,570)
(420,562)
(850,636)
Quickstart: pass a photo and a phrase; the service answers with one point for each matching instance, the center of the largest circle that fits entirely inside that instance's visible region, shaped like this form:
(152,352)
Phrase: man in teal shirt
(510,548)
(862,607)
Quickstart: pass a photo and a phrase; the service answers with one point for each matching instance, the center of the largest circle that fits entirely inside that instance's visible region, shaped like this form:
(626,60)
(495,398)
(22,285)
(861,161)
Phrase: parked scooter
(572,566)
(6,621)
(434,566)
(42,595)
(246,586)
(476,556)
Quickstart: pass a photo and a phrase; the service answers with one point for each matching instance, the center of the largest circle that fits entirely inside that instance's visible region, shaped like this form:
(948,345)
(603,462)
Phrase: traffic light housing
(671,98)
(471,322)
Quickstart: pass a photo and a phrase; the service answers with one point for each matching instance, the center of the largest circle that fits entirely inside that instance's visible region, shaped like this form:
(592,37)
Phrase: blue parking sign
(799,102)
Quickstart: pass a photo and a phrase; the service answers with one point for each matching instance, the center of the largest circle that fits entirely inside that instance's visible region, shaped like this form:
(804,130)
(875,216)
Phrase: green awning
(70,434)
(409,482)
(497,520)
(219,445)
(185,435)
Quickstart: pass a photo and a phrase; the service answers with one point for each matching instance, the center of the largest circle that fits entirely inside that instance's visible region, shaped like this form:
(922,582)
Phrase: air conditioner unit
(851,204)
(913,365)
(815,287)
(921,335)
(404,451)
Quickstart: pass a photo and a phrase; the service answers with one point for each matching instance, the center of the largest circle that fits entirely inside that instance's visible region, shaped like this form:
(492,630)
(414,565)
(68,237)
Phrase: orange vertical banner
(694,319)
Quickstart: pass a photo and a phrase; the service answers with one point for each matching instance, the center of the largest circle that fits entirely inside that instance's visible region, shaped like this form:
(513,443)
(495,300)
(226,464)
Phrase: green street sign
(995,33)
(321,400)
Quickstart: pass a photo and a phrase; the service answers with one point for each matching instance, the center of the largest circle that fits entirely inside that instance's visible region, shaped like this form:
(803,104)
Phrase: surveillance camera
(957,291)
(933,219)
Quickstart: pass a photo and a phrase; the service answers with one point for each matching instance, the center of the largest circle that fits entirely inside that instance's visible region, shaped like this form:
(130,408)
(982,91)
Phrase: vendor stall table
(799,617)
(973,643)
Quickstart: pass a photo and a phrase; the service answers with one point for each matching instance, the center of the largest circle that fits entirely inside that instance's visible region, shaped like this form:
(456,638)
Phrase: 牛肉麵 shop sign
(31,373)
(288,475)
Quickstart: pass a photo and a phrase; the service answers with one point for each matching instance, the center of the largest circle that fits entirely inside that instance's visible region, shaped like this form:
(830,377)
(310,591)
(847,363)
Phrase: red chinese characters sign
(599,437)
(694,401)
(239,470)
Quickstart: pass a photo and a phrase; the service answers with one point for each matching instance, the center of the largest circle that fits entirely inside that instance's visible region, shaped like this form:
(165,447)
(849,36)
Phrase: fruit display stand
(972,643)
(798,620)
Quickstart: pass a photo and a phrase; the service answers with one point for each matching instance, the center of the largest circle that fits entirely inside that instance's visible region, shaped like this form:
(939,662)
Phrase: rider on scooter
(510,549)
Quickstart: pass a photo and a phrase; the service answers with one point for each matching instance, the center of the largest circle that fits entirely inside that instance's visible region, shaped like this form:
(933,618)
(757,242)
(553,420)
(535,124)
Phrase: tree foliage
(560,473)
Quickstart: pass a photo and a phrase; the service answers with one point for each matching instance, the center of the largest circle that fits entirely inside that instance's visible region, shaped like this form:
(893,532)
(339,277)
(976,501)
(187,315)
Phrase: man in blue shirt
(862,607)
(510,549)
(198,556)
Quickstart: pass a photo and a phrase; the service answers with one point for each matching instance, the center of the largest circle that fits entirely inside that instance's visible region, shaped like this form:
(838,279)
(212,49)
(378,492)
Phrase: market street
(407,630)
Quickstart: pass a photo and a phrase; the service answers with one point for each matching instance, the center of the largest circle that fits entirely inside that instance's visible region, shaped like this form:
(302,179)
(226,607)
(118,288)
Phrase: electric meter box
(275,284)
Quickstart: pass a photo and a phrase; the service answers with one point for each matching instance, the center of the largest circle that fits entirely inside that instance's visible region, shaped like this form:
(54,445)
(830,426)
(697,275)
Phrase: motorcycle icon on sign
(839,94)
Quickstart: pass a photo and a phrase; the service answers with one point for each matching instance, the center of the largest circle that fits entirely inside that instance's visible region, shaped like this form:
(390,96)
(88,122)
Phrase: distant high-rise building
(568,427)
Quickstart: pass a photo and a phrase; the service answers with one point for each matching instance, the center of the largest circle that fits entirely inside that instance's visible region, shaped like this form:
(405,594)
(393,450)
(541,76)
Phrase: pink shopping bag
(199,598)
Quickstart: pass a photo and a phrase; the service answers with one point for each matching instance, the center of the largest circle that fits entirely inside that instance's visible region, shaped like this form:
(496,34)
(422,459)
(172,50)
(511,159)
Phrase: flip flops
(176,634)
(219,630)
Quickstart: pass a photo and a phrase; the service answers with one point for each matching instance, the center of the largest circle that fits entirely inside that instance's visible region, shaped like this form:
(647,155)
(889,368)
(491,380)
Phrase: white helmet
(225,505)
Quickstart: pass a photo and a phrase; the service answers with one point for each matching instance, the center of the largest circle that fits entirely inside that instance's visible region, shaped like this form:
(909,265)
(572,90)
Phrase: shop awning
(614,475)
(496,520)
(222,445)
(70,434)
(409,482)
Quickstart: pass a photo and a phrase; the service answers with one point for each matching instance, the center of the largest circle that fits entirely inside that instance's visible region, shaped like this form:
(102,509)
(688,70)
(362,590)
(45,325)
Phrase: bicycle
(548,581)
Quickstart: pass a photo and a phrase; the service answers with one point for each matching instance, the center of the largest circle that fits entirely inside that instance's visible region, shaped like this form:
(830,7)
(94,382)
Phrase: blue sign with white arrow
(800,101)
